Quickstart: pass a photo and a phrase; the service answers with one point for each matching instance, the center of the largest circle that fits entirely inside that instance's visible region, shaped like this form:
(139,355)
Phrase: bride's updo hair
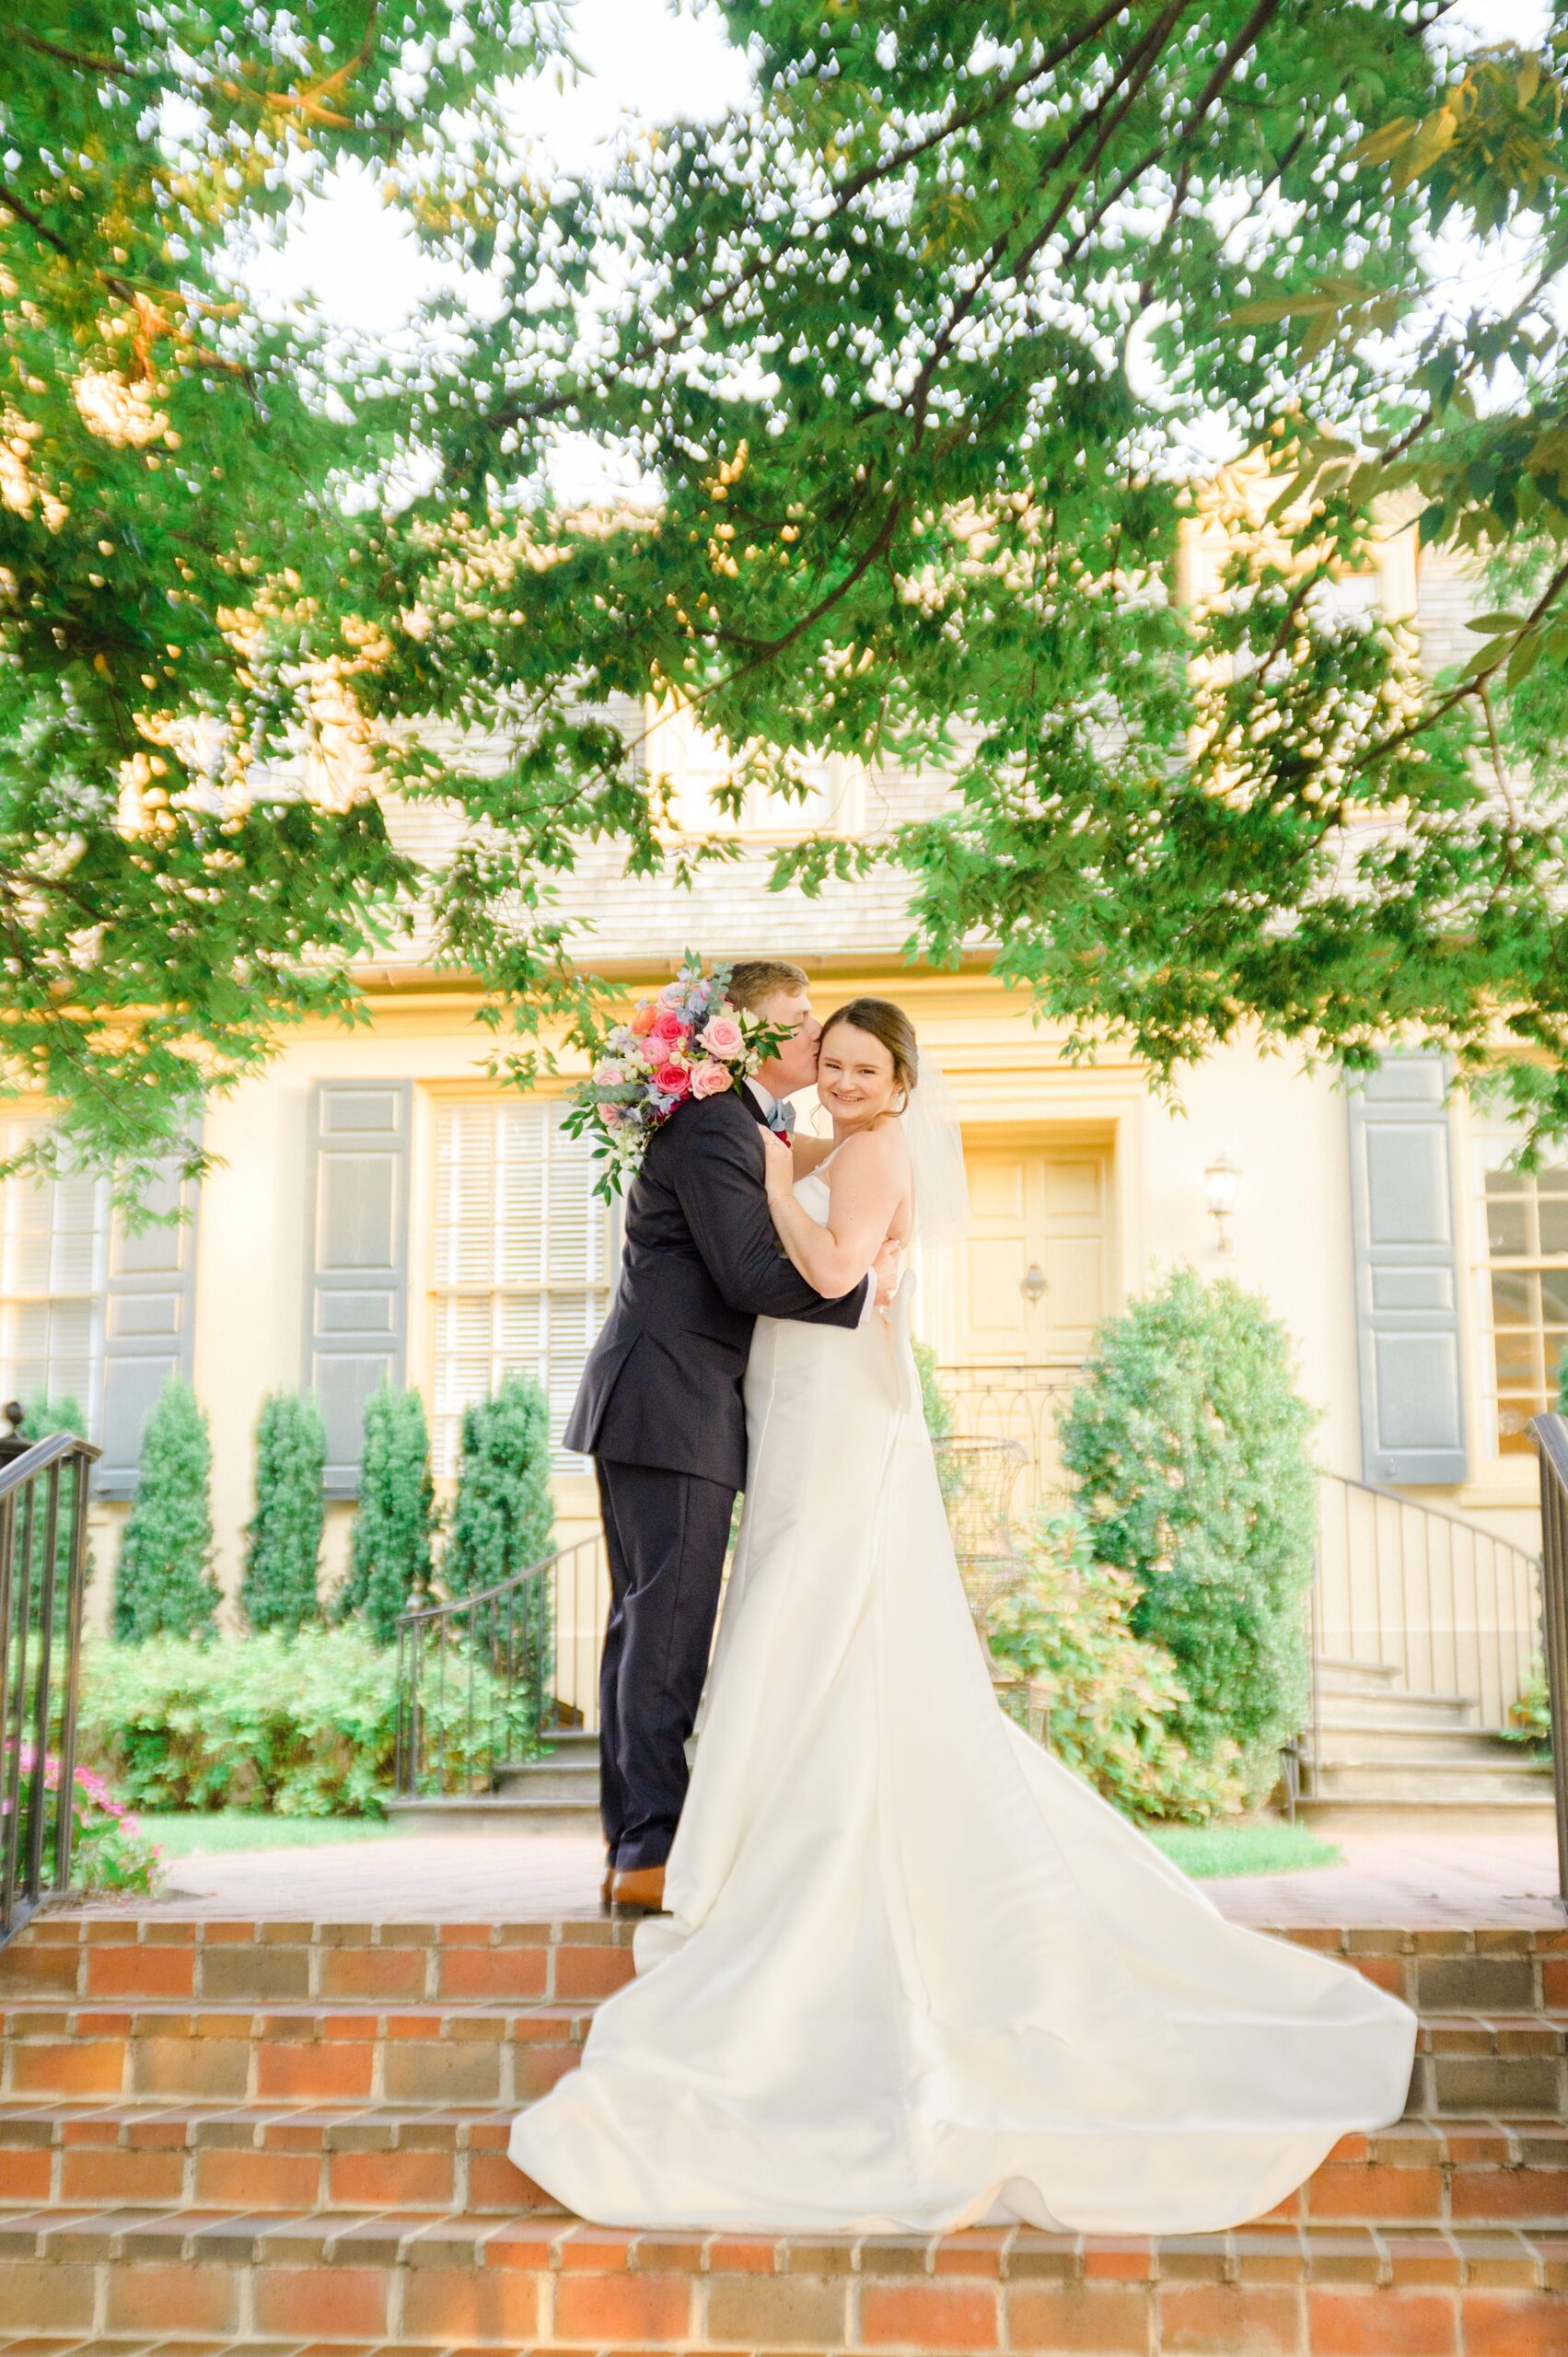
(883,1021)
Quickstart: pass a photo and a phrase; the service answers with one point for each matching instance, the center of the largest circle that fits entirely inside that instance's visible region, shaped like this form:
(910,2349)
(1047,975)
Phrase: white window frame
(55,1291)
(512,1285)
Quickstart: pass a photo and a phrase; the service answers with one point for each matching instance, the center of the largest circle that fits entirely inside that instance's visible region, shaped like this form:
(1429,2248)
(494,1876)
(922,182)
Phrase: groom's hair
(752,980)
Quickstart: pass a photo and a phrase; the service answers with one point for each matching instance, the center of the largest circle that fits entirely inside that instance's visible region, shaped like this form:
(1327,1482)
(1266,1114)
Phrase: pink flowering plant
(109,1849)
(690,1041)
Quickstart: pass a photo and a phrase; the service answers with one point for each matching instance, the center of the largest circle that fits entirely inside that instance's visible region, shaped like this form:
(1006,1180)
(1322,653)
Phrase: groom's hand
(888,1268)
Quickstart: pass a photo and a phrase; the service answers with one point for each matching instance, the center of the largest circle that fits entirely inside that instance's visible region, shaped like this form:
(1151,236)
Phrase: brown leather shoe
(638,1890)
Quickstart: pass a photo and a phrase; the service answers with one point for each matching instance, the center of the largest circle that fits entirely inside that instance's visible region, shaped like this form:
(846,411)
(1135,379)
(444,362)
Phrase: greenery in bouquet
(688,1043)
(109,1849)
(1112,1698)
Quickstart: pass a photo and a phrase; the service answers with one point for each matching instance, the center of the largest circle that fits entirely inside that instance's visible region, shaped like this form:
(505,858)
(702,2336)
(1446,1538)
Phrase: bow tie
(781,1120)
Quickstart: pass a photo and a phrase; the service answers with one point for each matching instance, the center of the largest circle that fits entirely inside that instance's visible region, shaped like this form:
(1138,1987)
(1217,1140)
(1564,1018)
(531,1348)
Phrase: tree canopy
(908,369)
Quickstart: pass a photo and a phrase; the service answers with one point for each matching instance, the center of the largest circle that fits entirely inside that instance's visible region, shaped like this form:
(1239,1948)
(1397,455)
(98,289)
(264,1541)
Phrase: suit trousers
(665,1534)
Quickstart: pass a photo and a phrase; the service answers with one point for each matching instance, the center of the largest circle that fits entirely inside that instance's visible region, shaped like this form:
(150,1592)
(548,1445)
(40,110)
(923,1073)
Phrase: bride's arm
(867,1183)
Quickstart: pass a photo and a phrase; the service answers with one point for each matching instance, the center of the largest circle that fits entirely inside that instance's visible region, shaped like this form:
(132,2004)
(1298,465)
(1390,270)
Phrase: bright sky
(644,60)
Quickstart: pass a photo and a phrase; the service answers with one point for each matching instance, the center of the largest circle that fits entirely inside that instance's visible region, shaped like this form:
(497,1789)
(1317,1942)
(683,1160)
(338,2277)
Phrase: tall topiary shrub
(393,1558)
(1189,1445)
(283,1538)
(502,1518)
(163,1579)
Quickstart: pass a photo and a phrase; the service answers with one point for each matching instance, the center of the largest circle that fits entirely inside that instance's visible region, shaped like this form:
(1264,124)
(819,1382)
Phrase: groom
(660,1412)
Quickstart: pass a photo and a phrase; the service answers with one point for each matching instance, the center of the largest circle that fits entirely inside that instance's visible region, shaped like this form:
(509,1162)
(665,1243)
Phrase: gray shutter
(356,1303)
(1406,1275)
(148,1324)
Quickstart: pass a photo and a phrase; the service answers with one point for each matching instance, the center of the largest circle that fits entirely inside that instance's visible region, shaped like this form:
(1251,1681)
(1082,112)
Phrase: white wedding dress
(916,1974)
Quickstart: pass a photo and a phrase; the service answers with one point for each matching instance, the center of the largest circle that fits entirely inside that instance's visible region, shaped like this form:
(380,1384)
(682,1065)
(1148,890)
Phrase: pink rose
(672,994)
(669,1029)
(642,1017)
(673,1080)
(722,1037)
(708,1078)
(609,1075)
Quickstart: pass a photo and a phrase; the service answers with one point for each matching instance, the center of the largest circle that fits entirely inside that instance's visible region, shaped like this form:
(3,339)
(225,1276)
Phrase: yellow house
(380,1206)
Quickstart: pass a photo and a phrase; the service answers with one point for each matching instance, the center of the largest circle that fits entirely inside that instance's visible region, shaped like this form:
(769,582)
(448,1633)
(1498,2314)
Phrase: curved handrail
(1420,1506)
(457,1604)
(16,1471)
(1549,1434)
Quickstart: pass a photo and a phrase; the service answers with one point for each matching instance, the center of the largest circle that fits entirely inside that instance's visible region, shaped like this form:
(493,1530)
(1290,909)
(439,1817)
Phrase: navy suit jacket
(701,1263)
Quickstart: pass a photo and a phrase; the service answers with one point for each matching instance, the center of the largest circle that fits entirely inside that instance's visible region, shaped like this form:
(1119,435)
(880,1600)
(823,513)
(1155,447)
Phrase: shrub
(1111,1697)
(109,1850)
(1189,1448)
(1529,1721)
(164,1580)
(283,1538)
(504,1518)
(392,1565)
(305,1726)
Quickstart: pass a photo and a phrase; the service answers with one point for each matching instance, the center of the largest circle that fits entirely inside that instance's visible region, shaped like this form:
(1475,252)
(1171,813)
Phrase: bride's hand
(779,1166)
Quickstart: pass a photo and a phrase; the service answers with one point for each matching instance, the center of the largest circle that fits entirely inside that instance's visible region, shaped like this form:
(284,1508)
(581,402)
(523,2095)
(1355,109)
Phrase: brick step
(95,1956)
(433,2161)
(112,2279)
(298,2159)
(81,1956)
(242,2054)
(1516,2064)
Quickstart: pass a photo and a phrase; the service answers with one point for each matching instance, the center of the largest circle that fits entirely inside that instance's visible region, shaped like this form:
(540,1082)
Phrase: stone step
(511,1814)
(1374,1741)
(76,1959)
(575,1780)
(351,2158)
(1356,1708)
(464,2055)
(125,2278)
(1347,1677)
(1434,1778)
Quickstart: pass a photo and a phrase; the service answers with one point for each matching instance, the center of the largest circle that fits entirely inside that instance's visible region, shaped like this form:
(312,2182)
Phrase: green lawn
(1266,1849)
(188,1836)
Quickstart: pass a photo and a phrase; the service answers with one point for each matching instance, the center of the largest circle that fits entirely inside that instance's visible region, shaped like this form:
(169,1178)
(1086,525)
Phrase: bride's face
(854,1075)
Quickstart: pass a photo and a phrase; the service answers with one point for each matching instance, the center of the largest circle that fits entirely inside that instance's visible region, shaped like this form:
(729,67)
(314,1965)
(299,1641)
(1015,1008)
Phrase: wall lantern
(1220,1181)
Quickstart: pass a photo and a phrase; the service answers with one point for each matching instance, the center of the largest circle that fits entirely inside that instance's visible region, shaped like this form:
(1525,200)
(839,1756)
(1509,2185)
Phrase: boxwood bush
(1188,1446)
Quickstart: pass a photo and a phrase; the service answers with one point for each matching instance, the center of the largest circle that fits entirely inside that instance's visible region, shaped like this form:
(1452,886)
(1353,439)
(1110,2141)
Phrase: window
(53,1256)
(1524,1299)
(522,1261)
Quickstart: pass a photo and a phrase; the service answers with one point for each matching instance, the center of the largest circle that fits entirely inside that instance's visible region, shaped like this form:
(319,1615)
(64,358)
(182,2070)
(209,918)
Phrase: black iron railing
(482,1679)
(43,1534)
(1551,1436)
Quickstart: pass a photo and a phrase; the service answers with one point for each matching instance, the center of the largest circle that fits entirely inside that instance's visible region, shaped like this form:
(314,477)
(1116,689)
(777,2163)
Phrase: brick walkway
(1416,1879)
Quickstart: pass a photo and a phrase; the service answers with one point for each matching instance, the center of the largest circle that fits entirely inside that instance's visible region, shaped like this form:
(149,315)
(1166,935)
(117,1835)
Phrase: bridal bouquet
(687,1041)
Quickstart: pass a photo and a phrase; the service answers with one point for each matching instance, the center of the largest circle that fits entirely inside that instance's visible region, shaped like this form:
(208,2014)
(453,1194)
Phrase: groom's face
(795,1066)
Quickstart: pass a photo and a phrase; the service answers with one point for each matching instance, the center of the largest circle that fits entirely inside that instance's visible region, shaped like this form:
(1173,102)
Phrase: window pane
(1554,1297)
(1514,1298)
(1518,1357)
(1553,1211)
(1507,1226)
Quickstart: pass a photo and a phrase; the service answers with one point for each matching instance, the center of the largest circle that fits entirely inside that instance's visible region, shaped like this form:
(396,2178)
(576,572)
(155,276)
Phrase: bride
(916,1975)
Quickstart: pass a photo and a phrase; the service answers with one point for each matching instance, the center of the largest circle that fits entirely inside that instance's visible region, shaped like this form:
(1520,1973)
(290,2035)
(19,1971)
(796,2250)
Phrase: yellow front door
(1035,1279)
